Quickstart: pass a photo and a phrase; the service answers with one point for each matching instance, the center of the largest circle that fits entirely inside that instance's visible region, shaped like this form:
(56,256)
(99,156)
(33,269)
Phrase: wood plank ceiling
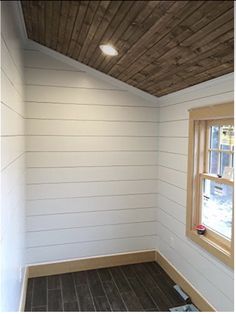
(163,46)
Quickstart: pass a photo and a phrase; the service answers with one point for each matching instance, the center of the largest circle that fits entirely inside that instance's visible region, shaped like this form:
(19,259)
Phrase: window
(210,179)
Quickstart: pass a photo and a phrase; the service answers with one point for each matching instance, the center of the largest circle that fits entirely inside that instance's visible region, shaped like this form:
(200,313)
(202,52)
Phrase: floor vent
(184,308)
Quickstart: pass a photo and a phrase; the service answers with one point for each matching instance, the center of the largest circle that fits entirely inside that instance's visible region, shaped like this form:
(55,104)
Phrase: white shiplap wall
(12,162)
(97,156)
(91,164)
(212,278)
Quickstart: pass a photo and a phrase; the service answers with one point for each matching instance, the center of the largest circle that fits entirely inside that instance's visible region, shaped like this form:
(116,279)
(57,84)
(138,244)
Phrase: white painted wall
(12,162)
(91,164)
(212,278)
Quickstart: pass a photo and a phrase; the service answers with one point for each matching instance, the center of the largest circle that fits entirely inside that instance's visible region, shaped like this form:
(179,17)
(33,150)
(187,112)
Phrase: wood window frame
(199,121)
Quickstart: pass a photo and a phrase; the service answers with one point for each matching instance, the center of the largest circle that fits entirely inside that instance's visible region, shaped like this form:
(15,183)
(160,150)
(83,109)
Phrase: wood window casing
(200,119)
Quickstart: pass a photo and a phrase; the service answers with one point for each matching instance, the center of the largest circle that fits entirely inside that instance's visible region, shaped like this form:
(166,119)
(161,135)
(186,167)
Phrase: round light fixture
(108,50)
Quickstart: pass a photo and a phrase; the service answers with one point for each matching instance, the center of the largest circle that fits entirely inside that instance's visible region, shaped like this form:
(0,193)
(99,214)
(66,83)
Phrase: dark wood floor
(139,287)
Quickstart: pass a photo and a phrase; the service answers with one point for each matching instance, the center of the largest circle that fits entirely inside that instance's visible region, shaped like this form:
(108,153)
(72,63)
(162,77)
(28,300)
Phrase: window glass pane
(213,162)
(214,137)
(224,162)
(217,207)
(226,137)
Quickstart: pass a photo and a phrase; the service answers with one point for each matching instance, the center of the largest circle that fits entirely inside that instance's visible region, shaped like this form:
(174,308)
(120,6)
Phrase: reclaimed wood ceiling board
(164,46)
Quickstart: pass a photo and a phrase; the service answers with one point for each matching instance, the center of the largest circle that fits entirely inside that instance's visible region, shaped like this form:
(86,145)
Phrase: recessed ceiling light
(108,50)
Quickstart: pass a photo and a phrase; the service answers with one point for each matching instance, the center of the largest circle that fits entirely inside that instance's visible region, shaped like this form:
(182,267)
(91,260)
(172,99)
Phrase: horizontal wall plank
(173,145)
(87,234)
(57,175)
(73,78)
(173,128)
(11,175)
(97,128)
(11,149)
(42,110)
(12,123)
(10,96)
(206,89)
(172,208)
(172,192)
(179,111)
(81,220)
(173,177)
(89,143)
(64,159)
(64,190)
(82,96)
(9,66)
(174,161)
(12,231)
(34,58)
(89,249)
(98,203)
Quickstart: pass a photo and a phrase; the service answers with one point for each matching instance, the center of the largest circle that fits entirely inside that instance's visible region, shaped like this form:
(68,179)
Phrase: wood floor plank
(131,301)
(144,298)
(114,296)
(39,292)
(54,282)
(120,280)
(39,308)
(95,284)
(54,301)
(129,271)
(80,278)
(71,306)
(85,299)
(157,294)
(165,284)
(68,288)
(104,274)
(102,304)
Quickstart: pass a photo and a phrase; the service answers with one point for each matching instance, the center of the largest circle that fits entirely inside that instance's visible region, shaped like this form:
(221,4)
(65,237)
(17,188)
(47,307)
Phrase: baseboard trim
(90,263)
(177,277)
(24,290)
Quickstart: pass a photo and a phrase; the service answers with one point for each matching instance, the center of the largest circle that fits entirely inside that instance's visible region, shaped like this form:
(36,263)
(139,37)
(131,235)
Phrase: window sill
(221,253)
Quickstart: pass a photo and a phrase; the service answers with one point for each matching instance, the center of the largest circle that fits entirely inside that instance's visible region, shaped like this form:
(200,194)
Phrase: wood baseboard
(24,290)
(178,278)
(91,263)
